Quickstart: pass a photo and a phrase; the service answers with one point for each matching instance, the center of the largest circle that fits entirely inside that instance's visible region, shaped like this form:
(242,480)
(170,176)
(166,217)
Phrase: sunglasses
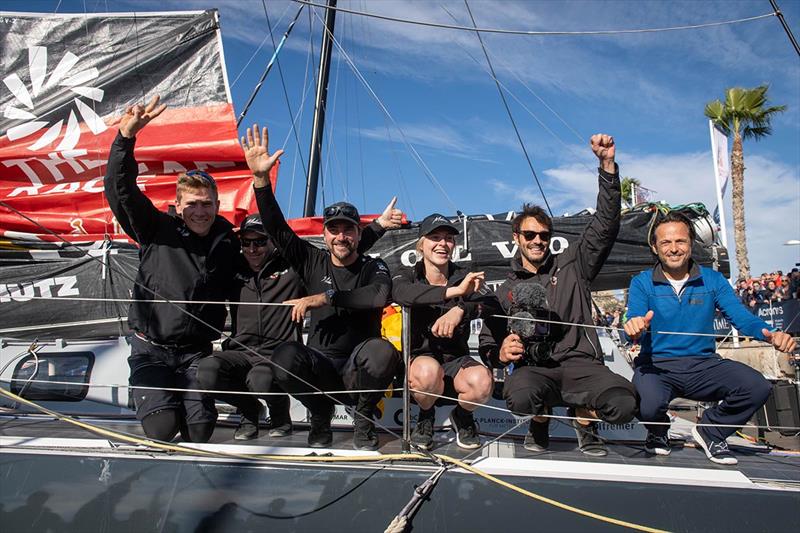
(258,242)
(529,235)
(345,210)
(203,175)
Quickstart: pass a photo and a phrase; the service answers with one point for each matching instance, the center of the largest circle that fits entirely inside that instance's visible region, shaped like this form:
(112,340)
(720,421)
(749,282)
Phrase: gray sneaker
(588,440)
(538,437)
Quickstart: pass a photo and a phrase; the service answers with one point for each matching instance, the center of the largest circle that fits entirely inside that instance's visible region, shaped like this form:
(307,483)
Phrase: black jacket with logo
(361,290)
(174,262)
(410,288)
(263,328)
(567,278)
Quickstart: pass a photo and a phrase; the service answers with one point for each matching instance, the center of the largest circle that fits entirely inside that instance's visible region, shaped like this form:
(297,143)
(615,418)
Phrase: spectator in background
(794,283)
(779,294)
(759,294)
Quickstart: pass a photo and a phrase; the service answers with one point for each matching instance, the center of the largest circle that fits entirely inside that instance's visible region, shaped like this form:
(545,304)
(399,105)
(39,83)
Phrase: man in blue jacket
(680,296)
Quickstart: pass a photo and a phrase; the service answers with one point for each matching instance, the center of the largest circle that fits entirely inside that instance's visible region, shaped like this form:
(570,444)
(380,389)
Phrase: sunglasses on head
(203,175)
(261,241)
(335,210)
(529,235)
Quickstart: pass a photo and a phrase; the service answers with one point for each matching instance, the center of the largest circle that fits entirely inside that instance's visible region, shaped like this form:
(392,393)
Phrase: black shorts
(169,367)
(452,365)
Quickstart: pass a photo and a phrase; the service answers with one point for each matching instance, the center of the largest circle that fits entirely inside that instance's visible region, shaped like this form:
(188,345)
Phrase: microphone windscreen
(526,329)
(529,295)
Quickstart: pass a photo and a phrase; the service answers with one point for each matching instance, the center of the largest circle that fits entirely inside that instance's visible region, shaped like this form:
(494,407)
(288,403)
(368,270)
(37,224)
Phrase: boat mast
(315,152)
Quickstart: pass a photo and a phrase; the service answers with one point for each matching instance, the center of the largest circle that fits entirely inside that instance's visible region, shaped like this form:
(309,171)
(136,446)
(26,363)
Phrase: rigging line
(508,110)
(283,84)
(609,328)
(89,385)
(535,32)
(260,46)
(417,157)
(786,28)
(132,300)
(221,333)
(269,67)
(300,113)
(569,147)
(522,82)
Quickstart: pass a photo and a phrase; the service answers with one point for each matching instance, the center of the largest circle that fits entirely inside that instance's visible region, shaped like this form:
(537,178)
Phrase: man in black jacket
(190,256)
(574,373)
(244,364)
(347,293)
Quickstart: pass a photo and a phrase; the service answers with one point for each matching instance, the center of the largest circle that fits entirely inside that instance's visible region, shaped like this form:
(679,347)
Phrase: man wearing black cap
(347,292)
(243,364)
(572,372)
(439,293)
(188,256)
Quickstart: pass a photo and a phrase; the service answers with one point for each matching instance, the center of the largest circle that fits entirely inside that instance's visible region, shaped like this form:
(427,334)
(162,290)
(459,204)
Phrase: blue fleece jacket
(691,311)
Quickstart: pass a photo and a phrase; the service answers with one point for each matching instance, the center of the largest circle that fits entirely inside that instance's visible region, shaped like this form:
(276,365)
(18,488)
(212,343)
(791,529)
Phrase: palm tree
(628,187)
(745,115)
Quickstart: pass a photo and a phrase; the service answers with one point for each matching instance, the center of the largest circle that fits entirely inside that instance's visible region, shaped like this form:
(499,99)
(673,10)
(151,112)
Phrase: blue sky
(648,90)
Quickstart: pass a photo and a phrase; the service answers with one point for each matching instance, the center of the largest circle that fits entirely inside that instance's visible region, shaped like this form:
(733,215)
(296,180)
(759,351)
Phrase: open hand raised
(138,116)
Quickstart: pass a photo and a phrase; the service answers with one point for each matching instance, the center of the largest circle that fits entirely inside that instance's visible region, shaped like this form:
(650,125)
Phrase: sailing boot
(320,434)
(248,424)
(280,420)
(364,436)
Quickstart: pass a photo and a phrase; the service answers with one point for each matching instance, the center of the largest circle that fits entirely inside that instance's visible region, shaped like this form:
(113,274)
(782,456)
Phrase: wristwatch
(329,295)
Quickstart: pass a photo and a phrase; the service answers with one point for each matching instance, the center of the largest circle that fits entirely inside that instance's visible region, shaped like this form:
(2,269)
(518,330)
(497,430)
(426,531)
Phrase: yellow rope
(329,459)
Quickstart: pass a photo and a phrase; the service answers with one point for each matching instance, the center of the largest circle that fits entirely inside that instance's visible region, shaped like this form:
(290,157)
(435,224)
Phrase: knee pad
(617,406)
(162,425)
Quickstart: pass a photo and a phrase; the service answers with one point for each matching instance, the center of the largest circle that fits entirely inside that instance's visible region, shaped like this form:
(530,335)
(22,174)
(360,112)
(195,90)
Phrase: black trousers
(372,365)
(574,382)
(236,370)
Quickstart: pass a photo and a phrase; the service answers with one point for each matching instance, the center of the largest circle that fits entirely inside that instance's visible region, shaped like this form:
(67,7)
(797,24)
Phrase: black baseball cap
(341,211)
(252,223)
(434,222)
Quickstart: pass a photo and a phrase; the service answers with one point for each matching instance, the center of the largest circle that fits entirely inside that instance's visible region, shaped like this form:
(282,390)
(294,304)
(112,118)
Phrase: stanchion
(405,340)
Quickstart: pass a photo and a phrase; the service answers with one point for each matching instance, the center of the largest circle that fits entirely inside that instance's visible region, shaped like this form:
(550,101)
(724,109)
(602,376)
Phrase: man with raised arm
(568,367)
(680,296)
(187,256)
(347,292)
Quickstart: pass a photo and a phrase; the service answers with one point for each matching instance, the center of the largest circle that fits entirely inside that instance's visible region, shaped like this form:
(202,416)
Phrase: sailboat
(74,458)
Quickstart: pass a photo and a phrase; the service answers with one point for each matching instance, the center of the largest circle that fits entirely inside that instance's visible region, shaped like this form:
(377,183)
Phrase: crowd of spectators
(773,288)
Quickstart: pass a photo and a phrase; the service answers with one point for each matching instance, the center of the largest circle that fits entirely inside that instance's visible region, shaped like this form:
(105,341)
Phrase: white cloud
(772,197)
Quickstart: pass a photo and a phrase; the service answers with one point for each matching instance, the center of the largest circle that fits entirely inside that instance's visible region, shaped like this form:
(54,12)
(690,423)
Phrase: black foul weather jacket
(567,278)
(174,262)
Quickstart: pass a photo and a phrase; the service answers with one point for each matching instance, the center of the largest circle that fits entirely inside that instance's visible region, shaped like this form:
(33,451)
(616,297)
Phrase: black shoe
(280,424)
(364,436)
(422,436)
(320,434)
(656,444)
(538,437)
(248,425)
(465,428)
(588,441)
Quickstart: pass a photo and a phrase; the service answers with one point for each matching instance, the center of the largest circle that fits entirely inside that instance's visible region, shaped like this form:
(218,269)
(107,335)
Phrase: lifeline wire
(441,460)
(534,32)
(221,333)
